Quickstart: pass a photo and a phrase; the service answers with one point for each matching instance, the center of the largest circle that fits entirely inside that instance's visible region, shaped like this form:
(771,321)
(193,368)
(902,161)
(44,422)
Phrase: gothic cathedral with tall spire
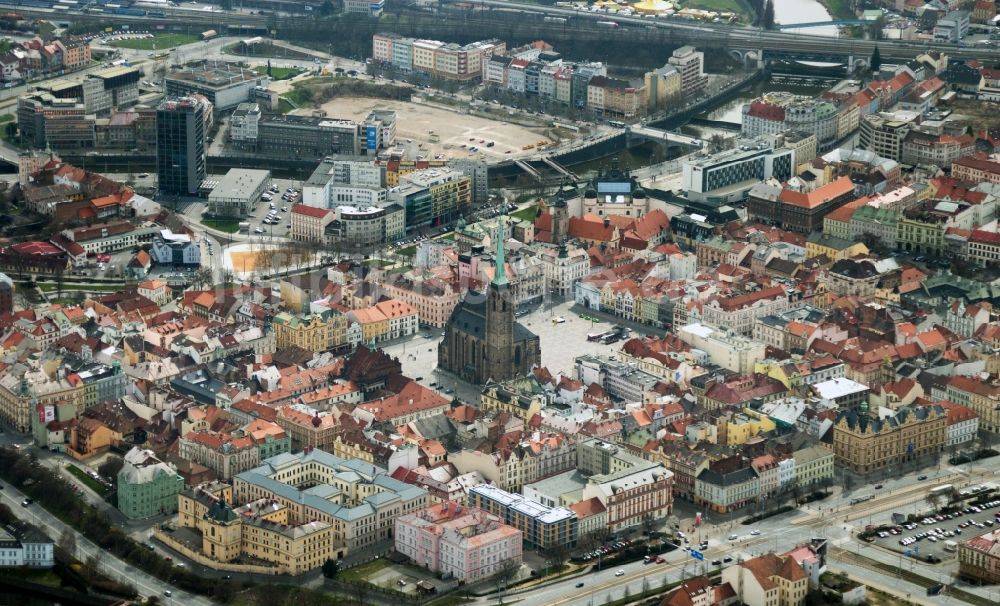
(482,340)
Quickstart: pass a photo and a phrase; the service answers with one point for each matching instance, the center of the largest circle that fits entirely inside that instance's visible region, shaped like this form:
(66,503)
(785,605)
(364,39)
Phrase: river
(804,11)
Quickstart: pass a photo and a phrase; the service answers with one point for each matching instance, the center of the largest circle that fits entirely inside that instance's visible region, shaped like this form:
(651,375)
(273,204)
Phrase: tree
(934,499)
(875,63)
(67,542)
(330,568)
(767,19)
(110,467)
(326,9)
(268,68)
(201,277)
(557,555)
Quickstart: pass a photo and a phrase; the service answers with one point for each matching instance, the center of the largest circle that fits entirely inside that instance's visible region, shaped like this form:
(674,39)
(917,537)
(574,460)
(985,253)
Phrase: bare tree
(201,278)
(67,542)
(505,573)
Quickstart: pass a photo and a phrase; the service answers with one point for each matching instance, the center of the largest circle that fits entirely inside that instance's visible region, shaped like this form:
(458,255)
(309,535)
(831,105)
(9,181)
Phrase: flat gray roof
(240,183)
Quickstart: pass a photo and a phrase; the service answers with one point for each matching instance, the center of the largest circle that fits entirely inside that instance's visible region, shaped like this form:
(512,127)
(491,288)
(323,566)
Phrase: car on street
(619,573)
(716,562)
(579,585)
(921,478)
(733,537)
(26,502)
(755,533)
(168,593)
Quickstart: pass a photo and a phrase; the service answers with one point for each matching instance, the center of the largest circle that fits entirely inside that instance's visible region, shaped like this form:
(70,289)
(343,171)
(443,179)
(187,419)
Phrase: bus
(944,489)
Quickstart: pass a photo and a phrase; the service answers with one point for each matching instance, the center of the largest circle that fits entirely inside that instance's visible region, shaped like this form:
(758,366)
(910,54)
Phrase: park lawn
(163,41)
(90,482)
(839,9)
(525,214)
(5,118)
(69,285)
(724,6)
(230,226)
(364,571)
(407,251)
(284,73)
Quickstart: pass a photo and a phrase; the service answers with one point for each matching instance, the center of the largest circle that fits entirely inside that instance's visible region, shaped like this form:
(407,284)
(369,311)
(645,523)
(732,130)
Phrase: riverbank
(838,9)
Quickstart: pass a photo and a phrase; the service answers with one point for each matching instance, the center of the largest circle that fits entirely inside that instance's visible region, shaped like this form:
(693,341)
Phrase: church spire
(500,279)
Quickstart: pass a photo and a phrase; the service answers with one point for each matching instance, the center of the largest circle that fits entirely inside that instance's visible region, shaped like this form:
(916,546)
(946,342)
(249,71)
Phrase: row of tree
(763,12)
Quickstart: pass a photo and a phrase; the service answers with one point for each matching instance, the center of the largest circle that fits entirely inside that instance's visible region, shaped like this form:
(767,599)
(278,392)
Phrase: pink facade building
(451,538)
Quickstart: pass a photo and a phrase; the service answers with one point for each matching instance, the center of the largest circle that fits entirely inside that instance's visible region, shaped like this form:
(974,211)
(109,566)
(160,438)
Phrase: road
(107,564)
(781,533)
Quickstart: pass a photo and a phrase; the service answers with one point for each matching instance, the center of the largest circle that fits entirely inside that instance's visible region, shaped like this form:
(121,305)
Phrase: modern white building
(243,125)
(175,249)
(372,8)
(840,393)
(237,192)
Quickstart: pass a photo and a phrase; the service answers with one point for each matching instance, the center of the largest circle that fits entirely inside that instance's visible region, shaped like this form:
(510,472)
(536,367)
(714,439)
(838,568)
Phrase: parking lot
(398,577)
(928,537)
(281,202)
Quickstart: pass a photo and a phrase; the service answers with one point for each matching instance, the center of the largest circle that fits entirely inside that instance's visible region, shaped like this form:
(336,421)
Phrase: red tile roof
(819,196)
(310,211)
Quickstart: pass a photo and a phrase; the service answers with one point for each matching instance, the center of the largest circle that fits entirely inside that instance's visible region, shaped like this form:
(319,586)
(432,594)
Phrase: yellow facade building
(864,442)
(833,247)
(261,530)
(739,427)
(315,332)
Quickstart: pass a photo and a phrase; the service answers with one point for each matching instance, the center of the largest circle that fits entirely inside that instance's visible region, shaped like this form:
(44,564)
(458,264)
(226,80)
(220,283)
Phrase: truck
(555,19)
(950,546)
(244,226)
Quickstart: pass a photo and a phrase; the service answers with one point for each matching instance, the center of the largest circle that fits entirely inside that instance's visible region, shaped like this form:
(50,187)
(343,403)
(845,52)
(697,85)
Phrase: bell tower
(499,360)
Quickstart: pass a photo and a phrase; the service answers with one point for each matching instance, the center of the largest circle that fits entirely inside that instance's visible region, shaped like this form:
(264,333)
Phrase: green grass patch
(69,286)
(722,6)
(452,600)
(5,118)
(284,73)
(839,9)
(271,594)
(407,251)
(362,572)
(230,226)
(90,482)
(284,105)
(379,263)
(300,97)
(525,214)
(157,42)
(448,236)
(49,578)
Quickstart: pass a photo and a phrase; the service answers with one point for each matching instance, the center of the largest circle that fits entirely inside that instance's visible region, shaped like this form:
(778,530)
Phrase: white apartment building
(724,347)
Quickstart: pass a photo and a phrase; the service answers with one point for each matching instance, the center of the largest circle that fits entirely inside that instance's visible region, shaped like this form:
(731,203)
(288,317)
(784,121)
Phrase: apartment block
(542,527)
